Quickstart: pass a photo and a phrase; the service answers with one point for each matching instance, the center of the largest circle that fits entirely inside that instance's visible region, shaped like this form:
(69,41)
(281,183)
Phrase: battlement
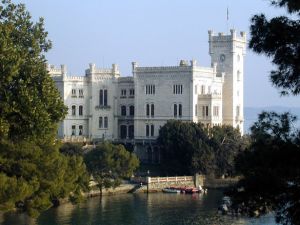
(92,70)
(56,71)
(233,36)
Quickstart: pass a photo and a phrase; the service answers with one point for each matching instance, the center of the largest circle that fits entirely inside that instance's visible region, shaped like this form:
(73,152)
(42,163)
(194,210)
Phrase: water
(138,209)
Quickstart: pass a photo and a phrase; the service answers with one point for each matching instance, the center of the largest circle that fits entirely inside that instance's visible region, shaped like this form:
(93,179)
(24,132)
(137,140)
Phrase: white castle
(106,106)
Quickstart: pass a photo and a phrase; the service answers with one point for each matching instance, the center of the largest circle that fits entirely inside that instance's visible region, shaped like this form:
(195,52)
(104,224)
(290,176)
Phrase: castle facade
(103,105)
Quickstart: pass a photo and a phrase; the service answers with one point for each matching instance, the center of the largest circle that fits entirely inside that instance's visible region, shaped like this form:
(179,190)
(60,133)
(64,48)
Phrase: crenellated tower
(228,51)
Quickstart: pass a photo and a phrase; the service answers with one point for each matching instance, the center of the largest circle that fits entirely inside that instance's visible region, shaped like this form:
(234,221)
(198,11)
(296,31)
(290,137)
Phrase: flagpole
(227,19)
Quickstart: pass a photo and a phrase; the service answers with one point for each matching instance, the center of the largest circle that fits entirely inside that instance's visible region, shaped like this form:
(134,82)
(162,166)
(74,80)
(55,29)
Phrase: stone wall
(216,183)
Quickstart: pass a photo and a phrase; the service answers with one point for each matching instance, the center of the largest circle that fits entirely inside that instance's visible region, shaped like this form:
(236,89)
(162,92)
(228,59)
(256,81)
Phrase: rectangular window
(73,130)
(105,97)
(152,130)
(206,110)
(131,93)
(238,111)
(177,89)
(123,93)
(196,109)
(147,130)
(100,122)
(73,110)
(203,111)
(74,93)
(202,89)
(105,122)
(150,89)
(216,111)
(81,93)
(101,97)
(175,110)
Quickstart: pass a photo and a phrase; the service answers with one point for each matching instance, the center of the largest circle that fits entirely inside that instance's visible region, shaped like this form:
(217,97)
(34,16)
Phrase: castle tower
(228,51)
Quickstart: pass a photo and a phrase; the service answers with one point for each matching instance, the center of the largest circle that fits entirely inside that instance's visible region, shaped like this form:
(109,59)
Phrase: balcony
(210,96)
(103,107)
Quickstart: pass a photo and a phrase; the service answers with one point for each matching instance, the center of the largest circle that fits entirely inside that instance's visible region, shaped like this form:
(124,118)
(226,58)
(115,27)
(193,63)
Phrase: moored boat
(171,190)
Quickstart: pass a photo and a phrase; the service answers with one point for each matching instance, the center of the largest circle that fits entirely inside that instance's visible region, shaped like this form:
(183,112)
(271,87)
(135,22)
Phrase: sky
(153,33)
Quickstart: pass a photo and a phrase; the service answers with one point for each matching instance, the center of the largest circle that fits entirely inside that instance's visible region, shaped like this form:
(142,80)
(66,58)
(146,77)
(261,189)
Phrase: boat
(171,190)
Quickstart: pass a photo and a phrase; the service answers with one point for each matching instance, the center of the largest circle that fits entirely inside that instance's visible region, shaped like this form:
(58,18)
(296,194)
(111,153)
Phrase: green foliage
(30,105)
(109,163)
(227,144)
(278,38)
(71,149)
(271,169)
(35,176)
(184,148)
(33,173)
(189,148)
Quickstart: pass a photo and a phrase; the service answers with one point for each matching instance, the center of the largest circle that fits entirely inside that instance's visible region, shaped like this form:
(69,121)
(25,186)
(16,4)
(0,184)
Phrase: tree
(38,176)
(109,163)
(271,169)
(71,149)
(30,104)
(33,173)
(227,144)
(278,38)
(271,166)
(184,148)
(189,148)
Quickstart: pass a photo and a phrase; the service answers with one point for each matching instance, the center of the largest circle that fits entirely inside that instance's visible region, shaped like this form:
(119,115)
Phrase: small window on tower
(238,75)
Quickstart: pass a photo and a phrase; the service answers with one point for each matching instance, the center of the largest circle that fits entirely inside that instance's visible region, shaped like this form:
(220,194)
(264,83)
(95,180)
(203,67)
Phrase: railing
(102,107)
(169,179)
(75,139)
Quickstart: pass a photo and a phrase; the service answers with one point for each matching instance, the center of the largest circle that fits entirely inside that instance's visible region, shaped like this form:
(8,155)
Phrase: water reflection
(137,209)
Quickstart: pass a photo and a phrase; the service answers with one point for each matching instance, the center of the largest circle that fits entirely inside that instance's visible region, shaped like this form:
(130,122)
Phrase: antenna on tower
(227,20)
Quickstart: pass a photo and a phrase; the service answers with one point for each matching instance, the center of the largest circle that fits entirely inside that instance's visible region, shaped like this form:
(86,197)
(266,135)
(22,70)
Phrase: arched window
(73,130)
(80,130)
(131,131)
(152,130)
(80,110)
(131,110)
(123,110)
(147,130)
(175,110)
(73,110)
(180,110)
(101,97)
(147,110)
(105,122)
(123,131)
(152,109)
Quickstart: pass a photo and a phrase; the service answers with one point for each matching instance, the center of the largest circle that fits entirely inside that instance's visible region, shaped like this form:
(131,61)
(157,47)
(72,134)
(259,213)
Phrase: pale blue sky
(156,32)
